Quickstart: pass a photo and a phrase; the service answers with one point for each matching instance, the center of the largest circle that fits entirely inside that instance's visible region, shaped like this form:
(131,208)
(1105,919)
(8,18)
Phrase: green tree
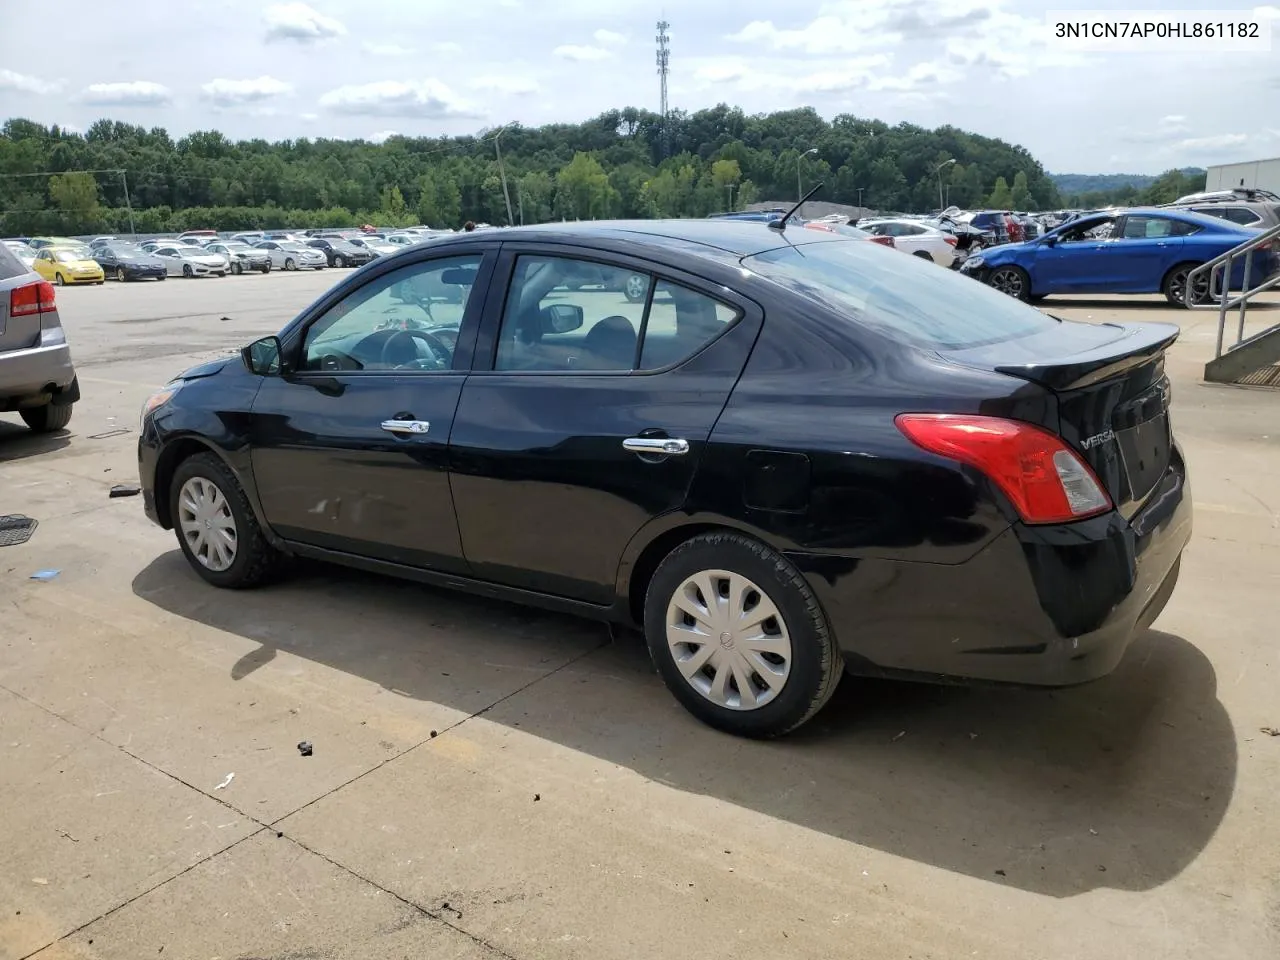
(1001,196)
(582,188)
(725,173)
(393,208)
(1020,194)
(76,195)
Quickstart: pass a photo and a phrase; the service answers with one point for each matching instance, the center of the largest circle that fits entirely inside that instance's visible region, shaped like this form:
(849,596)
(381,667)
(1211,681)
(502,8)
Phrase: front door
(350,448)
(592,418)
(1080,260)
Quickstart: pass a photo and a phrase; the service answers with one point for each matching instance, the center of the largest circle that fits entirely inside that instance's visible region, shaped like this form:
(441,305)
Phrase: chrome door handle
(410,427)
(663,446)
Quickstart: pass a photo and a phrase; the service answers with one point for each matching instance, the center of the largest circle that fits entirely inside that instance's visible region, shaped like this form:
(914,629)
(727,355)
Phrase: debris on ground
(900,735)
(16,529)
(305,748)
(124,490)
(1270,731)
(433,734)
(225,783)
(118,432)
(537,797)
(45,574)
(40,880)
(1001,873)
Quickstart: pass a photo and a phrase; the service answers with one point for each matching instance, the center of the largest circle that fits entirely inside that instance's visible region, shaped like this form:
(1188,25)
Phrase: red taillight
(33,299)
(883,241)
(950,240)
(1043,478)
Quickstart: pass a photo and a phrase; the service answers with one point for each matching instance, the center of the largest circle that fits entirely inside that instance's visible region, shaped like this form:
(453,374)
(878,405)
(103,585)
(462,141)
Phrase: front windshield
(69,256)
(899,296)
(237,247)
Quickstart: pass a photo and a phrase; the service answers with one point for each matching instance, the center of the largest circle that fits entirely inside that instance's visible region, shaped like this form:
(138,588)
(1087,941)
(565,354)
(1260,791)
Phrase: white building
(1264,174)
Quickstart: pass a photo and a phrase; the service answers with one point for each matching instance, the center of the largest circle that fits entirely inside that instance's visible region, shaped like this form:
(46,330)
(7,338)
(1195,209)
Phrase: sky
(434,67)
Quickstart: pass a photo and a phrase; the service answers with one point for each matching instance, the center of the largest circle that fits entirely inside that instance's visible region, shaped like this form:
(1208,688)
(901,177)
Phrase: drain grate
(15,529)
(1263,377)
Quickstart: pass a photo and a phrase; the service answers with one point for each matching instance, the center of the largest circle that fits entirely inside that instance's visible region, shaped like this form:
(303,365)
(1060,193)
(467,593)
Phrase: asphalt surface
(490,781)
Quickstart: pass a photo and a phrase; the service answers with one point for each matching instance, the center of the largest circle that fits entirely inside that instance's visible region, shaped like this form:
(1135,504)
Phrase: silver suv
(36,375)
(1248,207)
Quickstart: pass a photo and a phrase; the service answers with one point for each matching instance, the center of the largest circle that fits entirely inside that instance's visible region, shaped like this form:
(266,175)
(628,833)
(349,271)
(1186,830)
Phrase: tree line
(1166,188)
(623,163)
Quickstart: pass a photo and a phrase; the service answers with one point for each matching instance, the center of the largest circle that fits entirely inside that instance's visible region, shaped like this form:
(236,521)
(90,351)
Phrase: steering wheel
(440,359)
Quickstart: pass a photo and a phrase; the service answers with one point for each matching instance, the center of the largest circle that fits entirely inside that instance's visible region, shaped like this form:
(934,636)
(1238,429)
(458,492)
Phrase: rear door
(350,445)
(1146,247)
(587,413)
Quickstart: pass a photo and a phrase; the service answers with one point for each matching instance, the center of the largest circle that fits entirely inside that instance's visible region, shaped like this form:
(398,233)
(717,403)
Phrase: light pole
(799,161)
(938,172)
(860,198)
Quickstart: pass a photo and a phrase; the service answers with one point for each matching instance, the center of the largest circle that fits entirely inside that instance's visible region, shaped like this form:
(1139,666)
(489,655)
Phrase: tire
(253,560)
(237,269)
(339,261)
(636,287)
(290,265)
(812,664)
(1012,280)
(120,275)
(46,419)
(267,267)
(187,271)
(1174,283)
(923,255)
(59,280)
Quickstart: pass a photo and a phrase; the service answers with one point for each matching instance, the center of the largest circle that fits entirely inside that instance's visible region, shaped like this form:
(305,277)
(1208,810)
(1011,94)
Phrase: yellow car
(63,265)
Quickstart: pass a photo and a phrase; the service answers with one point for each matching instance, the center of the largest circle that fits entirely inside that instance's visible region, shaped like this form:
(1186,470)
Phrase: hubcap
(120,274)
(1199,289)
(728,640)
(637,286)
(1007,281)
(207,524)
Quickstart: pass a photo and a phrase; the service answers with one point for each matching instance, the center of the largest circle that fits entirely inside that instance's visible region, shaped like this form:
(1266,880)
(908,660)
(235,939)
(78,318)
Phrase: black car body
(341,253)
(929,479)
(121,261)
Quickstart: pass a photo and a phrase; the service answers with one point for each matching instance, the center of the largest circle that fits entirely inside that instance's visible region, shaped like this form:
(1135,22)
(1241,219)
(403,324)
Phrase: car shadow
(18,443)
(1117,784)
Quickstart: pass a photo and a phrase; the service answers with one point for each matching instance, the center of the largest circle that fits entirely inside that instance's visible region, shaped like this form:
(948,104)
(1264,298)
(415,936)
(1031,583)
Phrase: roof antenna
(781,224)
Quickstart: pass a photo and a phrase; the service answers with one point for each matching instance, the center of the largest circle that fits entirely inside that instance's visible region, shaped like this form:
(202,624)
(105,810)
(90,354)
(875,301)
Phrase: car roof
(742,238)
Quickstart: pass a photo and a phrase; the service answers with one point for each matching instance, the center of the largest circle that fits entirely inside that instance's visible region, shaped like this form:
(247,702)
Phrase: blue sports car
(1121,251)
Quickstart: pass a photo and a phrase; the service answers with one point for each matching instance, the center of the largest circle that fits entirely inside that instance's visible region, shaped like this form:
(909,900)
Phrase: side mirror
(262,357)
(459,276)
(560,318)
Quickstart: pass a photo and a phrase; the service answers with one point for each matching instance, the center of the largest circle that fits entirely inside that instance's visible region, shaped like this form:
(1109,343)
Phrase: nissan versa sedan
(797,454)
(124,261)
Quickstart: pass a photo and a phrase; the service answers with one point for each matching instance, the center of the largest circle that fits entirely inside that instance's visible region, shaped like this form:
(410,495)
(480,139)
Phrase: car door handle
(408,427)
(664,446)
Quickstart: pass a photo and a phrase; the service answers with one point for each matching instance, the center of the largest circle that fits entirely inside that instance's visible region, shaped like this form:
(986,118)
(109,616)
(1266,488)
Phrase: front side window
(407,319)
(564,315)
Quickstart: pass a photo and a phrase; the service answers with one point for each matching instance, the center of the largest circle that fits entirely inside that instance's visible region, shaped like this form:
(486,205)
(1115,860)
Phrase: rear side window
(899,296)
(1243,216)
(10,265)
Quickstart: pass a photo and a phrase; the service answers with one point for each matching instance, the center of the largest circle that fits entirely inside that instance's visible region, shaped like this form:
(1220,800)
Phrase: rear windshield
(900,296)
(10,265)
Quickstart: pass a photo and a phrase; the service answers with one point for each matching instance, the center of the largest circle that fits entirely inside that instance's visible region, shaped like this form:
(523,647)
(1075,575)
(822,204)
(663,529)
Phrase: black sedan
(341,253)
(797,454)
(122,261)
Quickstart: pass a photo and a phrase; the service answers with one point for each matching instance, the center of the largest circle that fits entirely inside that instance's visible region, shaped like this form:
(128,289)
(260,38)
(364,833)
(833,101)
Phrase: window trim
(293,337)
(486,352)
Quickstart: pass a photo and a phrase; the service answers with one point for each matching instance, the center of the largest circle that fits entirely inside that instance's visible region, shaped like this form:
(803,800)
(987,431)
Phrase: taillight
(32,299)
(883,241)
(950,240)
(1043,478)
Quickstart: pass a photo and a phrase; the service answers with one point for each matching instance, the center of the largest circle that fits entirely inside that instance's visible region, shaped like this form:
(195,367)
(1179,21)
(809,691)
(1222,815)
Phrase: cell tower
(664,67)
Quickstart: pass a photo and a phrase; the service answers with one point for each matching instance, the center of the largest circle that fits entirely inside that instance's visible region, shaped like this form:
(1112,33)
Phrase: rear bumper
(1043,606)
(36,376)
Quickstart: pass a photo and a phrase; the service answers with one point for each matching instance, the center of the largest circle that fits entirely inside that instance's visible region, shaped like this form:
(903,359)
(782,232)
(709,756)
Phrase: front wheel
(290,265)
(46,419)
(237,269)
(216,527)
(59,280)
(636,287)
(739,636)
(187,271)
(1012,281)
(1174,286)
(339,262)
(923,255)
(120,274)
(266,267)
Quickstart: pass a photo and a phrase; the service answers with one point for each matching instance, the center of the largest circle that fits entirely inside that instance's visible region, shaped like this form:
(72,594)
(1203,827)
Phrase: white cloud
(309,117)
(1221,141)
(572,51)
(918,76)
(849,73)
(447,47)
(857,73)
(382,136)
(23,83)
(133,93)
(386,49)
(297,21)
(234,93)
(609,38)
(422,99)
(511,86)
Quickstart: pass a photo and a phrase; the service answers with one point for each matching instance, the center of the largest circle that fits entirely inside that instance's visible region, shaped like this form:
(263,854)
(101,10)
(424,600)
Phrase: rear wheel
(636,287)
(339,261)
(1174,286)
(1011,280)
(216,527)
(237,269)
(120,274)
(266,267)
(187,271)
(59,280)
(290,265)
(739,637)
(923,255)
(46,419)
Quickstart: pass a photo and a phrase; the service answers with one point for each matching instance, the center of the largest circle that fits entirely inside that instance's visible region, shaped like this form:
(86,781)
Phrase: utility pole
(938,171)
(664,67)
(520,201)
(124,179)
(799,182)
(729,187)
(502,171)
(860,198)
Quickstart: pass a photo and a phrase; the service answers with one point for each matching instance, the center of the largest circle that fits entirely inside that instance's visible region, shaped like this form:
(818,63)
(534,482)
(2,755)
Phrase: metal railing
(1219,285)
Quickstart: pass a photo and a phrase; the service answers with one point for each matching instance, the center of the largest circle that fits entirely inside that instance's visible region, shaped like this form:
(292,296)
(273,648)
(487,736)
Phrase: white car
(915,238)
(291,255)
(405,239)
(182,260)
(379,248)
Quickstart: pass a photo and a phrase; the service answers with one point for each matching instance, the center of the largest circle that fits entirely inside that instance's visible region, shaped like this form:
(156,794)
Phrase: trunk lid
(16,333)
(1112,396)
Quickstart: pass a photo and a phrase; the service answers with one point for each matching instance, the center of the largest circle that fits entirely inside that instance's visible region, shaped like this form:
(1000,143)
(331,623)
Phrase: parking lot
(492,781)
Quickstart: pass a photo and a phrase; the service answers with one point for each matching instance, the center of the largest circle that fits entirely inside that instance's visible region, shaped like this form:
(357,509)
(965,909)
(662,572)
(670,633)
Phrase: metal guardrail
(1219,273)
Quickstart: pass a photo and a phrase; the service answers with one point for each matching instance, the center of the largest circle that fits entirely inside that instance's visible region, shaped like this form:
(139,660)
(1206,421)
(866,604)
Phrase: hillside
(618,164)
(1075,184)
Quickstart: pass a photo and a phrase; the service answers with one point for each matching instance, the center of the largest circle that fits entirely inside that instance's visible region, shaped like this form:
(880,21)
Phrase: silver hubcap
(728,640)
(637,286)
(1199,289)
(1007,281)
(207,524)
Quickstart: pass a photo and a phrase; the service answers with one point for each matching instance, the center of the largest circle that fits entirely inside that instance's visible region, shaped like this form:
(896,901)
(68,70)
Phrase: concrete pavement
(491,781)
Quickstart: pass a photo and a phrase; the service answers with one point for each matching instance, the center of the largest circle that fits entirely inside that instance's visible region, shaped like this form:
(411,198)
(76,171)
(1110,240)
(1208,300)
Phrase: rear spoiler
(1137,344)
